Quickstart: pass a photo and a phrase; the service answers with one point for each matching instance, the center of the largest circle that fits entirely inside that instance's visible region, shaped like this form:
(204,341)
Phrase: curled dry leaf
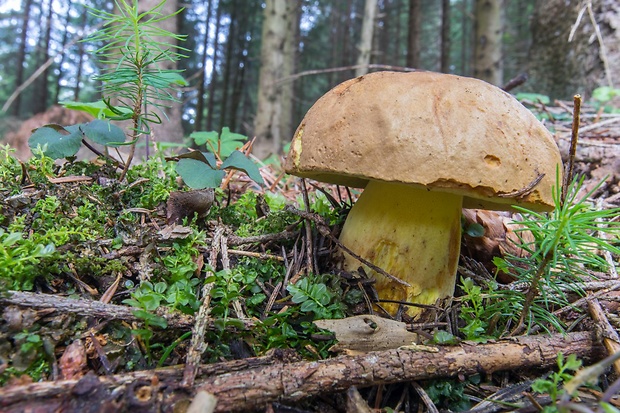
(501,237)
(184,204)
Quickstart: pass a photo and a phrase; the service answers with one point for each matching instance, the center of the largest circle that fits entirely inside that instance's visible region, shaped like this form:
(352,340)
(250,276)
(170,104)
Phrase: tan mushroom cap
(435,131)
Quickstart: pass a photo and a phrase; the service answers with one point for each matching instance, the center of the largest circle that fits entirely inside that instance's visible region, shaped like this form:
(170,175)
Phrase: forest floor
(142,296)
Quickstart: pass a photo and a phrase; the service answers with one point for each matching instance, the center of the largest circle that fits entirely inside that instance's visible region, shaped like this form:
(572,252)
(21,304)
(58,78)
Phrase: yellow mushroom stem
(412,234)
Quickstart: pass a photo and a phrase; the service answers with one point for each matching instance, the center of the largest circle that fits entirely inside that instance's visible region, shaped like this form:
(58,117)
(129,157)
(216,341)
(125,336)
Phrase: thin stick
(197,344)
(309,253)
(611,340)
(573,147)
(344,68)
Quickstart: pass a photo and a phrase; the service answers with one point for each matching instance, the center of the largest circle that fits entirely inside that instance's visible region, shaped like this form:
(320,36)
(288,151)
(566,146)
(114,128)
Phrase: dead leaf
(184,204)
(174,232)
(72,363)
(501,236)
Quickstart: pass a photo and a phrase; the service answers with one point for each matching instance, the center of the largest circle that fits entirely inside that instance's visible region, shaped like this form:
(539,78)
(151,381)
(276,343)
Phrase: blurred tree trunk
(21,56)
(63,42)
(413,38)
(445,36)
(365,44)
(41,89)
(608,18)
(465,37)
(228,58)
(80,64)
(215,70)
(488,47)
(170,130)
(200,103)
(276,23)
(242,44)
(557,67)
(289,66)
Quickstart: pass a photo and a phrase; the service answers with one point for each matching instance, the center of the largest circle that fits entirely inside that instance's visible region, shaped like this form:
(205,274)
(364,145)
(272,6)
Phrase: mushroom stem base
(412,234)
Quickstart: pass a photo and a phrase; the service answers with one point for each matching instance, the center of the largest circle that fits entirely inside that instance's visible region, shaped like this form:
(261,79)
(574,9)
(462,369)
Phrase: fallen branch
(261,381)
(93,308)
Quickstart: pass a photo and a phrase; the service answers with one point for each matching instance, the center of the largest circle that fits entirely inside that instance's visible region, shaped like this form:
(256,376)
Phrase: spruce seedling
(565,244)
(134,47)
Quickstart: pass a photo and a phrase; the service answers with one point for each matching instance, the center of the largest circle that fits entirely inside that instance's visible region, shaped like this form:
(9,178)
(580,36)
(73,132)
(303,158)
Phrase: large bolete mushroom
(422,145)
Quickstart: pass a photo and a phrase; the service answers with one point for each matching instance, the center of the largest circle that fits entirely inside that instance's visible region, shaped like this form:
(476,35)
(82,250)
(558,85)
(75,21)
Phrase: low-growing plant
(553,384)
(19,256)
(316,298)
(201,170)
(603,96)
(564,252)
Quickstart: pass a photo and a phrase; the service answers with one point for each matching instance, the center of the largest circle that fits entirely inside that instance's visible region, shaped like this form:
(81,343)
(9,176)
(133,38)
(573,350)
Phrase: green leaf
(444,338)
(164,79)
(199,175)
(228,141)
(256,299)
(104,133)
(240,162)
(206,157)
(571,363)
(200,138)
(474,230)
(11,238)
(533,97)
(605,93)
(98,109)
(151,319)
(58,142)
(160,287)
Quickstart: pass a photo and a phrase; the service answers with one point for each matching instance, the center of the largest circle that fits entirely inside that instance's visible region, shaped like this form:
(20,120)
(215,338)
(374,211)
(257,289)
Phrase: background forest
(257,66)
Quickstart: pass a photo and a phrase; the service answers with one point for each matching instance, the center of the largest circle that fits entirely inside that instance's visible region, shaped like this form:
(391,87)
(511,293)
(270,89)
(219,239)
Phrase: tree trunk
(445,36)
(557,67)
(80,65)
(365,44)
(413,38)
(488,47)
(21,56)
(289,64)
(200,103)
(63,43)
(230,43)
(41,93)
(277,15)
(214,71)
(465,37)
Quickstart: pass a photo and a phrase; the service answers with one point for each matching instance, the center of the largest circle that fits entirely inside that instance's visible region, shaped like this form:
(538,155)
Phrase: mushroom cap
(428,130)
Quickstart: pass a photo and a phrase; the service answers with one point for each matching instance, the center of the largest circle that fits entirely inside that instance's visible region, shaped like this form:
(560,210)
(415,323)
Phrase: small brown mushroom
(423,145)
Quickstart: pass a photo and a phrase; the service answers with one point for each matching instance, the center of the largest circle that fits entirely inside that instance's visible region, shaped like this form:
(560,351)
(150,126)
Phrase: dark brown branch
(262,381)
(236,240)
(515,82)
(568,177)
(523,191)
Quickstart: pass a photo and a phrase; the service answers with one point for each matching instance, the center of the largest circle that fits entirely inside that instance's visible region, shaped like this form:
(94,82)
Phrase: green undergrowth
(70,238)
